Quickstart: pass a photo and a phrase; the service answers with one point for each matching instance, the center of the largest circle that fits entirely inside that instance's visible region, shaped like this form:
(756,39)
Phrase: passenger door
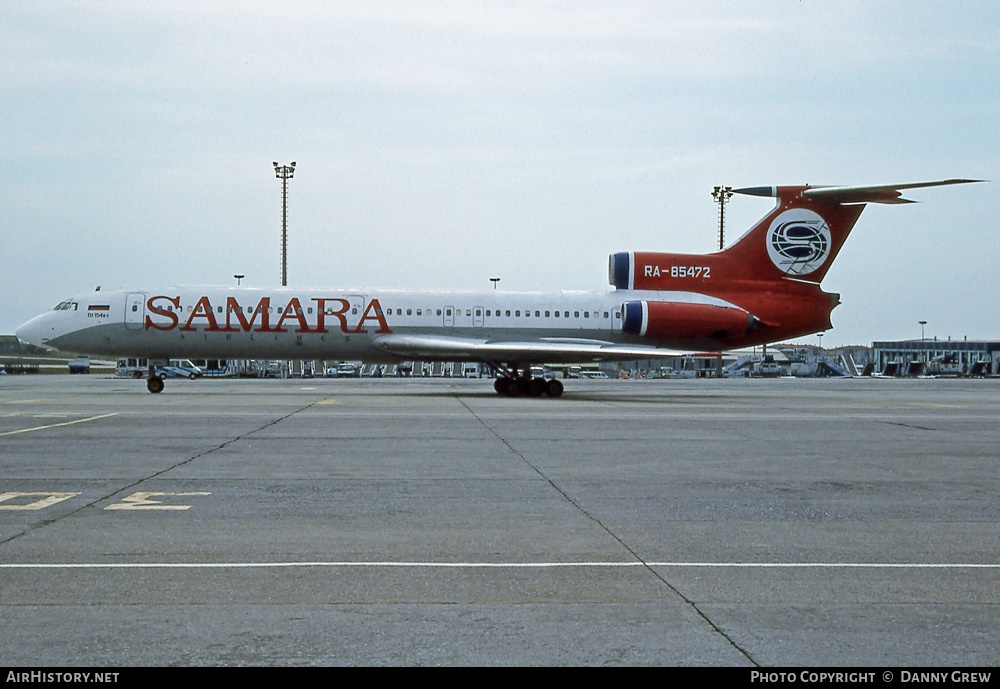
(135,310)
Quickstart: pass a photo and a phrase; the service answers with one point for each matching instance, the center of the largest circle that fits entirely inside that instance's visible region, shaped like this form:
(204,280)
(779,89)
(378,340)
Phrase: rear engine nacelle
(620,270)
(681,321)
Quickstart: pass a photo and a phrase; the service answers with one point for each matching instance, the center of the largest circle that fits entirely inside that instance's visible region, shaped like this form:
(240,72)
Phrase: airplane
(763,288)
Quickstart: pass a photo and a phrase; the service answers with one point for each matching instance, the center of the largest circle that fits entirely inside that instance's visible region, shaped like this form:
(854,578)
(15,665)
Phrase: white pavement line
(498,565)
(56,425)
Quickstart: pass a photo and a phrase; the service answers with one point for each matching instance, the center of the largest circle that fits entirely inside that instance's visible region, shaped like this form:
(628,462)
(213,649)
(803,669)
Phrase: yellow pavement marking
(57,425)
(144,501)
(46,500)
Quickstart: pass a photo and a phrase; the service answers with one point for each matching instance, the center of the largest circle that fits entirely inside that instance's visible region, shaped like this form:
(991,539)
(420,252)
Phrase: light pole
(284,173)
(923,353)
(722,196)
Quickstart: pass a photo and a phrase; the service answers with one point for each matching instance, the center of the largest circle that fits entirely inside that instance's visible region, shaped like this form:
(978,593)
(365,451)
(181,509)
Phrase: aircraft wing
(544,350)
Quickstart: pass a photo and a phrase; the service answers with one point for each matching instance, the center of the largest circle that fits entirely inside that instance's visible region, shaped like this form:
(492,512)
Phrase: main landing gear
(526,386)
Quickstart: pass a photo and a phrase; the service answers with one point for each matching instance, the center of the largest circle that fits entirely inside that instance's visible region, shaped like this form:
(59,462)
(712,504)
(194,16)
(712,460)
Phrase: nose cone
(37,331)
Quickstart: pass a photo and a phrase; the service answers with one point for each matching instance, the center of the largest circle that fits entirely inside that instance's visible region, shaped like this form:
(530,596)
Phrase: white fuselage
(266,323)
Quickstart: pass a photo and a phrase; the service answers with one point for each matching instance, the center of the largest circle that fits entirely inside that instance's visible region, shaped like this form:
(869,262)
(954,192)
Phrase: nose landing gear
(154,382)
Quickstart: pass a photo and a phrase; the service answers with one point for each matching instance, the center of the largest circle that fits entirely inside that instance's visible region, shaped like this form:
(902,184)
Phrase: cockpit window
(65,306)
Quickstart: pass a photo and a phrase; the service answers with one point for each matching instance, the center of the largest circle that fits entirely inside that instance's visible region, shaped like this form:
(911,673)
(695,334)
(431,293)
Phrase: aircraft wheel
(554,388)
(536,386)
(501,385)
(154,384)
(514,389)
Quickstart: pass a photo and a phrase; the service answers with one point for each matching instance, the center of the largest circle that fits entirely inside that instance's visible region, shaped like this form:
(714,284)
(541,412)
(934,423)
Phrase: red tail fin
(768,280)
(799,239)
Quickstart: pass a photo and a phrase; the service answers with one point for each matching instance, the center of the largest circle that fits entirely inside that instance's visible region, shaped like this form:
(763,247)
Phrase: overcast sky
(440,144)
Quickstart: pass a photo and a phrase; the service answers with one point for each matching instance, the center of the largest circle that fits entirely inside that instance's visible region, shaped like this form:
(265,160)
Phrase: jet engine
(684,321)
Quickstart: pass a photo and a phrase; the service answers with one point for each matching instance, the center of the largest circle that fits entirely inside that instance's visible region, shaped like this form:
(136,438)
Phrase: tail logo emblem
(798,241)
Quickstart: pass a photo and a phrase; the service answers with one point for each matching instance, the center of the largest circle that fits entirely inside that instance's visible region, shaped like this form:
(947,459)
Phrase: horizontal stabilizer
(882,193)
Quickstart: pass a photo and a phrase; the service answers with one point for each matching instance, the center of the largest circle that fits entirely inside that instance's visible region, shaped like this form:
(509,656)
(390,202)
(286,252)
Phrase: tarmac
(744,523)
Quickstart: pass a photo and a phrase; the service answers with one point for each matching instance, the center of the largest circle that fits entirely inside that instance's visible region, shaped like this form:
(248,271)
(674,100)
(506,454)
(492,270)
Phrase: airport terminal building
(937,357)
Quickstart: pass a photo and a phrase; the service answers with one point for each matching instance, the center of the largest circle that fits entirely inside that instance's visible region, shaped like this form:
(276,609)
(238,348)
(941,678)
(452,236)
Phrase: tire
(554,388)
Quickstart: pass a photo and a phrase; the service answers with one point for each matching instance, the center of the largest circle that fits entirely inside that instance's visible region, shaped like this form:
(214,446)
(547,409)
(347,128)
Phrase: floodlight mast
(722,195)
(284,173)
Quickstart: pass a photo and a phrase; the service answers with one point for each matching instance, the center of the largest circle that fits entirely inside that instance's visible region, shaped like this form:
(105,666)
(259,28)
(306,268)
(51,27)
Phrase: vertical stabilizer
(800,238)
